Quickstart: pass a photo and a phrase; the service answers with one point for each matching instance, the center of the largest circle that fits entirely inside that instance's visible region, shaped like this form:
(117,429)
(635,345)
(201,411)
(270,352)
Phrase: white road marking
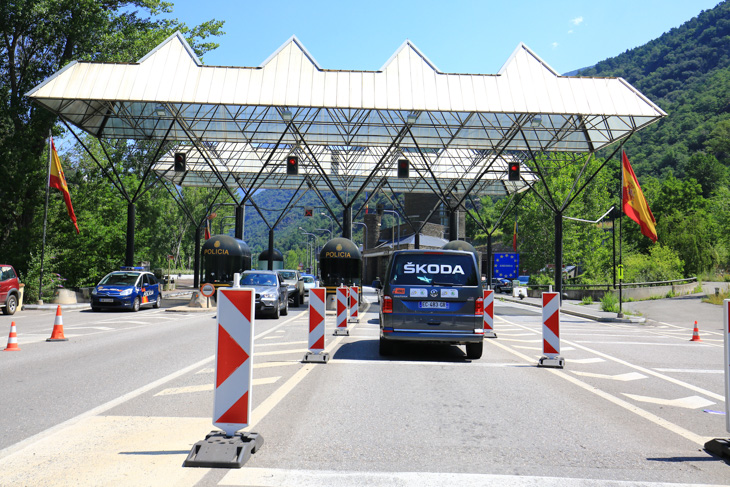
(210,387)
(594,360)
(279,352)
(417,362)
(693,371)
(102,328)
(276,477)
(280,343)
(620,377)
(690,402)
(660,344)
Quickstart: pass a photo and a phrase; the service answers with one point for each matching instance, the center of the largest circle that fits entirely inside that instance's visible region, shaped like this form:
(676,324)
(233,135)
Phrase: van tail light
(387,304)
(479,307)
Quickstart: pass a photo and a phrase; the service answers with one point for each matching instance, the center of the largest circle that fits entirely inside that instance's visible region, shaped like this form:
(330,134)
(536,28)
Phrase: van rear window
(433,269)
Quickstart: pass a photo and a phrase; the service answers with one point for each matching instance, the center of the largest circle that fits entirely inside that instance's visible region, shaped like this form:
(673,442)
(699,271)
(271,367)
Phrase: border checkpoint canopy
(349,127)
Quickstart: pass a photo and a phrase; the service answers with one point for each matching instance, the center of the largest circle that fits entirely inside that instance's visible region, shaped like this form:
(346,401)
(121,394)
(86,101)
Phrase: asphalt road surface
(125,398)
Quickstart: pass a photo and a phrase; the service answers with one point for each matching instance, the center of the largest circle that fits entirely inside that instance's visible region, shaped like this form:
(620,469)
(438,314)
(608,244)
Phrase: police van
(432,296)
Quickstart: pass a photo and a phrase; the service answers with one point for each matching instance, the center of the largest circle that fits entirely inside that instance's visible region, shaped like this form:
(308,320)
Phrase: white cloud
(554,44)
(577,21)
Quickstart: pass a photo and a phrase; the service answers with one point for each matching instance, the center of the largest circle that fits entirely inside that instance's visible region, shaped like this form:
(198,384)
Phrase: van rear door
(434,291)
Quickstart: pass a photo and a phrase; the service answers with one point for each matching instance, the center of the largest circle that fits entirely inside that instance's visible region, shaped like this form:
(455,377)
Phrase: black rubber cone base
(220,451)
(719,447)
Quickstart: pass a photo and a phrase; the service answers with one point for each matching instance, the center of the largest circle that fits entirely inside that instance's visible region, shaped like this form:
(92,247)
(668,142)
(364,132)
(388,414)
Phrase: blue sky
(458,36)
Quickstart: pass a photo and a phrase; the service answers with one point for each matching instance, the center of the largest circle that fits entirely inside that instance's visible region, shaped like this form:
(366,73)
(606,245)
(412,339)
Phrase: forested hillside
(686,72)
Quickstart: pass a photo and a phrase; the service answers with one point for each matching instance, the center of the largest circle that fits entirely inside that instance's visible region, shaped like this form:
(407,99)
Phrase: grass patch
(609,303)
(587,300)
(716,299)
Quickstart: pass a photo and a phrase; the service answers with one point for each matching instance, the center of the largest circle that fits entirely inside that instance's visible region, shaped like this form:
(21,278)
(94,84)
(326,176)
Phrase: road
(124,399)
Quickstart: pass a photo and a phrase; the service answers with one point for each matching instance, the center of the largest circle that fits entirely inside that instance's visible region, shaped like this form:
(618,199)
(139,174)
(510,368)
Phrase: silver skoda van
(432,296)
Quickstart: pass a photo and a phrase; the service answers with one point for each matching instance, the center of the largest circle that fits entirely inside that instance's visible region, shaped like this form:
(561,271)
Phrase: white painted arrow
(690,402)
(620,377)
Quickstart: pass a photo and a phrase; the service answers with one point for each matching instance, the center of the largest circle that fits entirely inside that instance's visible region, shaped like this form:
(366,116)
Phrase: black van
(432,296)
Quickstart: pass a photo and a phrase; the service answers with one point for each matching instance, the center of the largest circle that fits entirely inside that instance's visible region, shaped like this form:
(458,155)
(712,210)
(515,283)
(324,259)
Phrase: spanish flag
(633,202)
(58,180)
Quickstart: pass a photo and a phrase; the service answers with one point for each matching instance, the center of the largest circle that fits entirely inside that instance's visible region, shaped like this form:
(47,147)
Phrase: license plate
(433,305)
(106,300)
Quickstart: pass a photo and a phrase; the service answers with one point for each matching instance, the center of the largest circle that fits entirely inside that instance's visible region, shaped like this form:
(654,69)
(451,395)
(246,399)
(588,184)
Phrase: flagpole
(620,244)
(45,216)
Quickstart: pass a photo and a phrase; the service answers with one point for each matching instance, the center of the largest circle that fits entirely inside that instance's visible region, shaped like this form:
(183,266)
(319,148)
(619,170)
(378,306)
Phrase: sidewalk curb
(580,313)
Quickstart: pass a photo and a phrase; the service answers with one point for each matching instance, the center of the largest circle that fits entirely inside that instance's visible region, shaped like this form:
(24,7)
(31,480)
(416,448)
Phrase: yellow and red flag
(633,202)
(58,181)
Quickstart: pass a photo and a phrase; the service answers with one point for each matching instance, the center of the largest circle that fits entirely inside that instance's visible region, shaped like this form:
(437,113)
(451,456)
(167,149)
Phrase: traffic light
(292,165)
(403,167)
(179,162)
(513,171)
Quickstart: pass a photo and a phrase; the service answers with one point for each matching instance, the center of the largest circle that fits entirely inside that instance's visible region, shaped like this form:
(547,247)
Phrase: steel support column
(196,260)
(347,223)
(131,214)
(271,249)
(559,254)
(454,223)
(490,257)
(240,215)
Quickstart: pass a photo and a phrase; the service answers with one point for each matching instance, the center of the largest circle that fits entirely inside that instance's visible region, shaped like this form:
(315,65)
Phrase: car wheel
(474,350)
(385,348)
(285,311)
(135,305)
(158,302)
(11,305)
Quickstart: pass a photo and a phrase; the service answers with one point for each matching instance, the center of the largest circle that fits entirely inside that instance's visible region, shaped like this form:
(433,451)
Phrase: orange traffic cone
(695,334)
(12,340)
(57,334)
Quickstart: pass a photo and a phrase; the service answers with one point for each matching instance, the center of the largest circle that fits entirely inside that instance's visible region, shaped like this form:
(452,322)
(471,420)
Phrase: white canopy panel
(170,94)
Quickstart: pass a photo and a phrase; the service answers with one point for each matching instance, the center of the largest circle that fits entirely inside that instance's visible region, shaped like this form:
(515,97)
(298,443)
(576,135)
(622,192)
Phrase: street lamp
(313,260)
(329,218)
(324,230)
(393,233)
(365,238)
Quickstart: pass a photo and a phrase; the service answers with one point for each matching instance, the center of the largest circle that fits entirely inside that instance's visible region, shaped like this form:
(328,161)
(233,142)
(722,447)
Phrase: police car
(128,288)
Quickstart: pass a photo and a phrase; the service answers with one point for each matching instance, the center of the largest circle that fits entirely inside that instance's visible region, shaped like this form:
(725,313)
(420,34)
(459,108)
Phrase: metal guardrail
(609,287)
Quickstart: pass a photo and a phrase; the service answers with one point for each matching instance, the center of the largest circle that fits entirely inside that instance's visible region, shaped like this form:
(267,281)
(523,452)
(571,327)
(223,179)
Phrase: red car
(9,289)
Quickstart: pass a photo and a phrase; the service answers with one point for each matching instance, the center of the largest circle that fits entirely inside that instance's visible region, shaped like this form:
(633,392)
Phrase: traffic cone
(57,334)
(12,340)
(695,334)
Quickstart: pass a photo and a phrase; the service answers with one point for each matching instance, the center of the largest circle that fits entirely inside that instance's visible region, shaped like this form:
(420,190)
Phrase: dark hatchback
(432,296)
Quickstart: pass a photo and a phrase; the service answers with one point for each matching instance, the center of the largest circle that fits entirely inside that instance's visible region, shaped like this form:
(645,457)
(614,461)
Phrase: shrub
(587,300)
(609,303)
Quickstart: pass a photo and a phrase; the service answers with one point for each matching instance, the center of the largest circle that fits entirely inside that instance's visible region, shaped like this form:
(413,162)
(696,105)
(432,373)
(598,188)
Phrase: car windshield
(288,275)
(120,279)
(308,280)
(434,268)
(258,280)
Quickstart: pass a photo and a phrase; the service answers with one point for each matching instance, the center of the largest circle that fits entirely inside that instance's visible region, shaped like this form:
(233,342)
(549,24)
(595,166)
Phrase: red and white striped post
(489,314)
(233,378)
(316,351)
(551,332)
(342,312)
(354,304)
(721,446)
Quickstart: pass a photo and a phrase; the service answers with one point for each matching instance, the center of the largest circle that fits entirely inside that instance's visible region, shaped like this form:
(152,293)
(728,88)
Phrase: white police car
(128,288)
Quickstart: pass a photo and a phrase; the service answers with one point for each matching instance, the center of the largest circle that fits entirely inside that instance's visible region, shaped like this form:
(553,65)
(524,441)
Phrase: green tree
(39,37)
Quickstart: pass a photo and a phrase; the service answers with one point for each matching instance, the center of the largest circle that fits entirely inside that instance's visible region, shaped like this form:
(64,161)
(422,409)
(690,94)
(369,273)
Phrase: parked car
(309,282)
(272,294)
(128,288)
(501,285)
(432,296)
(295,284)
(9,289)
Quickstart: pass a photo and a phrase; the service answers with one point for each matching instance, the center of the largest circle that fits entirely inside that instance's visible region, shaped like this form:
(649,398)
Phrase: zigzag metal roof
(290,100)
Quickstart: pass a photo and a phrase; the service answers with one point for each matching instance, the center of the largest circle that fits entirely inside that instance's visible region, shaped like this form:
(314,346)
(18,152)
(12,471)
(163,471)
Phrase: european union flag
(506,265)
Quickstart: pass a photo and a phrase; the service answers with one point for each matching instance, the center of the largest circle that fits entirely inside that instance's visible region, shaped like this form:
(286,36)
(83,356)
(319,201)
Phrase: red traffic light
(292,165)
(513,172)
